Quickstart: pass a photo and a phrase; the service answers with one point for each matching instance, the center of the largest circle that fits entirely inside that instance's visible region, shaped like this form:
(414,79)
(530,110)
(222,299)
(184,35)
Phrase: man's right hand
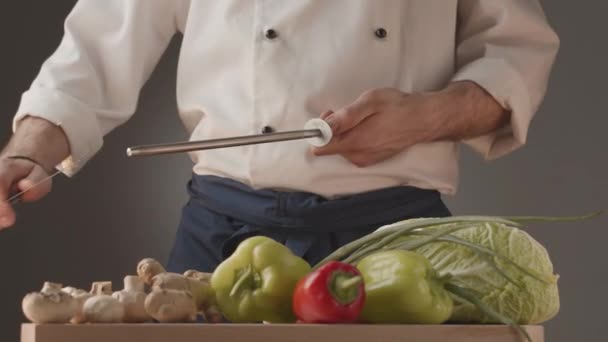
(18,175)
(40,140)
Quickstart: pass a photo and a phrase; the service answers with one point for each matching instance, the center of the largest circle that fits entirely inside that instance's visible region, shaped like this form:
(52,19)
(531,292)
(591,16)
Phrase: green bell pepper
(402,287)
(257,281)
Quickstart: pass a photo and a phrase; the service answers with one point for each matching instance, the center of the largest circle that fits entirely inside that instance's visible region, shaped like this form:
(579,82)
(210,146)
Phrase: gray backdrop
(97,225)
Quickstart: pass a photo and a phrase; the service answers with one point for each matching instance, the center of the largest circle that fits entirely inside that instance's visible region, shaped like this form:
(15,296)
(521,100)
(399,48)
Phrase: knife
(17,197)
(316,131)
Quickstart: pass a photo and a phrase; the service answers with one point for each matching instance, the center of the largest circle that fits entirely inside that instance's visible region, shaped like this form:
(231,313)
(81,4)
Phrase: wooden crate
(272,333)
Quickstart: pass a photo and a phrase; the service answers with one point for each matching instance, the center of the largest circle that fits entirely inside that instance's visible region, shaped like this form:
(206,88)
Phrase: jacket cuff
(77,120)
(505,85)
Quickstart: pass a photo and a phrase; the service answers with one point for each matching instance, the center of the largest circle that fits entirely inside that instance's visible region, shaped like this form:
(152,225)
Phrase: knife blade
(17,197)
(316,131)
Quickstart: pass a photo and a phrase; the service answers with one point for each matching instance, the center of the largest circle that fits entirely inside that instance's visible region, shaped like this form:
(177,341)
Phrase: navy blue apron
(221,213)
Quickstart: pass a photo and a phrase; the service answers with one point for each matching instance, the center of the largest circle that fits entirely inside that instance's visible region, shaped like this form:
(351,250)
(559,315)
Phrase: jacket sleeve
(507,48)
(91,83)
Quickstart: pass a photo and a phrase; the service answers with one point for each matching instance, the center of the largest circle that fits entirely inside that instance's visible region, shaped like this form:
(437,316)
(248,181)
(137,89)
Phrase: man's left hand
(381,123)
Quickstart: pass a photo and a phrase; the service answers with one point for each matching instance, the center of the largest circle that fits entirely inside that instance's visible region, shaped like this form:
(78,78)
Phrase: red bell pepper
(334,293)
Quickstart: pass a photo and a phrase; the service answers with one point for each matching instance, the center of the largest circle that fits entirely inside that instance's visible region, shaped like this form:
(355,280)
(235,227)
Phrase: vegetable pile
(152,295)
(462,269)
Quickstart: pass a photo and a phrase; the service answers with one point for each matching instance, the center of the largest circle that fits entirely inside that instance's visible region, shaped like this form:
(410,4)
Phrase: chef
(402,84)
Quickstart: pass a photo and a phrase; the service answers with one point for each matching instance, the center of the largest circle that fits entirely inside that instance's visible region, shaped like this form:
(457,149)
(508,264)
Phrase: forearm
(40,140)
(464,110)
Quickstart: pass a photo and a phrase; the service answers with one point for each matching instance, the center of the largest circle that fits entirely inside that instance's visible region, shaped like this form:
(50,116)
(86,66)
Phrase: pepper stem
(344,287)
(245,278)
(343,284)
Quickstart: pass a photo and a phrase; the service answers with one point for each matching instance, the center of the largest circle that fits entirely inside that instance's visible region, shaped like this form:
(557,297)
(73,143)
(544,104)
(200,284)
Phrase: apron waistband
(302,212)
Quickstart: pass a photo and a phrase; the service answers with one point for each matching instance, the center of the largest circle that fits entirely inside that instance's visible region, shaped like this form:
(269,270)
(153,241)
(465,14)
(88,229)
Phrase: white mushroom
(102,307)
(171,306)
(80,296)
(50,305)
(70,290)
(133,298)
(101,288)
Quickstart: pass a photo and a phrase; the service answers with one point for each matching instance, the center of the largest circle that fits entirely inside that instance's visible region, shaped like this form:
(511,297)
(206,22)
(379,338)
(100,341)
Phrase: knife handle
(326,132)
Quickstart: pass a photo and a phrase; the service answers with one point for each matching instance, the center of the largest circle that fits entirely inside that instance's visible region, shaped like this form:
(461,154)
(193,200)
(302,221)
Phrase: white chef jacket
(249,64)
